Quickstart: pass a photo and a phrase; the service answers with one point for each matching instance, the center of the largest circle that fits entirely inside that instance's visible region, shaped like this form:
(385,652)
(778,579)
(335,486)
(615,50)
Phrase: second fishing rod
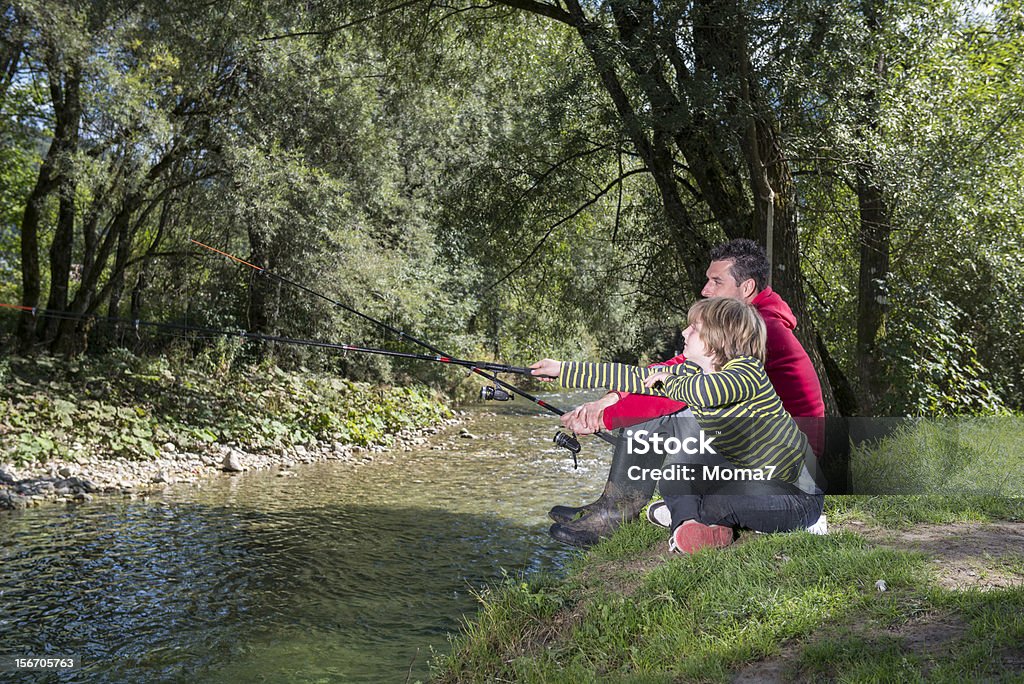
(136,323)
(562,439)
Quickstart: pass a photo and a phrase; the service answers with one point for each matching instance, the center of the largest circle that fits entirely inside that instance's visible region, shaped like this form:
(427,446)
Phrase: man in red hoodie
(739,269)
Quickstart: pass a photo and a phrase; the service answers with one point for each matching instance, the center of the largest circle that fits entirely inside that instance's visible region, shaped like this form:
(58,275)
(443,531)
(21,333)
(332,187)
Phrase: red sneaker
(692,536)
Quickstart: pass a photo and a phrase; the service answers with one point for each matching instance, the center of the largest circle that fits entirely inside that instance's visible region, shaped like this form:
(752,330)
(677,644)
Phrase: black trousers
(774,510)
(764,506)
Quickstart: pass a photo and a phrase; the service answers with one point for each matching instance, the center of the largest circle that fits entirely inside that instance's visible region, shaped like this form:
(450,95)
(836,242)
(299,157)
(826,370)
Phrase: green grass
(626,611)
(809,600)
(982,457)
(938,471)
(721,608)
(893,511)
(987,629)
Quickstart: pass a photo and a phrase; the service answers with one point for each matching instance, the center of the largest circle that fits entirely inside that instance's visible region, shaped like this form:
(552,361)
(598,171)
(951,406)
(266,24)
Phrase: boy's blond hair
(729,329)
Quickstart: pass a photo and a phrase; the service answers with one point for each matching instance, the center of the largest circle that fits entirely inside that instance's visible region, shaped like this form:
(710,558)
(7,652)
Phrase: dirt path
(981,556)
(965,555)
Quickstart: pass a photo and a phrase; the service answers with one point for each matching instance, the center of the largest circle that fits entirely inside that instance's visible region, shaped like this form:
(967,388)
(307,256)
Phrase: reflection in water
(337,574)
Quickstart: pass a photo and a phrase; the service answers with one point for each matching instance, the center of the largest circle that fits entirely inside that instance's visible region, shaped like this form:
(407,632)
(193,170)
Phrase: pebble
(231,463)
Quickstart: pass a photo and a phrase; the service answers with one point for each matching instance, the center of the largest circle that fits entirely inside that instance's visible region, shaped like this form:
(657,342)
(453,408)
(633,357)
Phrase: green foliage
(947,154)
(464,176)
(932,367)
(127,407)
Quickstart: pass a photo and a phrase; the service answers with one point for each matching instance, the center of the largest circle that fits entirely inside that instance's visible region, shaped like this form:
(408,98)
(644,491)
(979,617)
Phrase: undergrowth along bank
(125,407)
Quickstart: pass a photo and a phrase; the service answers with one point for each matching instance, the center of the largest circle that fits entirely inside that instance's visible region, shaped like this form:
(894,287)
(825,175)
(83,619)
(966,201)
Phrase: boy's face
(694,348)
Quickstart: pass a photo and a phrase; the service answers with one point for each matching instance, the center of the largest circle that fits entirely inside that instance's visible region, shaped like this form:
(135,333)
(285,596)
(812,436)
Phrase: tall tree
(686,85)
(875,222)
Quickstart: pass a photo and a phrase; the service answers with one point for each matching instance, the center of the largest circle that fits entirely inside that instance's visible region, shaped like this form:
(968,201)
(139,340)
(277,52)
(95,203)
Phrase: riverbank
(933,592)
(922,581)
(70,430)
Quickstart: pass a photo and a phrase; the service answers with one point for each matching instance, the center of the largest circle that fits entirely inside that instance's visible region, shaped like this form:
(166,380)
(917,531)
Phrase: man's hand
(589,418)
(546,369)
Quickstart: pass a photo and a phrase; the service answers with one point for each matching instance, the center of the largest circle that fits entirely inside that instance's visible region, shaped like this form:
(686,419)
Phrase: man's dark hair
(748,261)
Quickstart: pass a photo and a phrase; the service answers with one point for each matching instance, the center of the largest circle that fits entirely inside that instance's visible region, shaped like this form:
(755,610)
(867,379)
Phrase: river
(339,573)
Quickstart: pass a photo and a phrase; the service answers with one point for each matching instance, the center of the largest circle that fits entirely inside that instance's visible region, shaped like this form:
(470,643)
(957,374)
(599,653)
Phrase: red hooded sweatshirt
(788,367)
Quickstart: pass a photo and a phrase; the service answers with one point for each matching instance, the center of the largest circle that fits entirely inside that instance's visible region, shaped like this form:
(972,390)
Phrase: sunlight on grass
(961,456)
(706,616)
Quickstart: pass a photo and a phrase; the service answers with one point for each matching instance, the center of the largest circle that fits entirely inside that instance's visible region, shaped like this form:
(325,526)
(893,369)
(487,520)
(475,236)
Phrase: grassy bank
(124,407)
(904,588)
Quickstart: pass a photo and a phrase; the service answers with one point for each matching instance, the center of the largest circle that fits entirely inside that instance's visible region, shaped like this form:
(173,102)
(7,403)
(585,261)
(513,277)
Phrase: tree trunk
(99,246)
(872,296)
(654,152)
(69,115)
(30,277)
(722,46)
(143,280)
(11,46)
(874,240)
(709,111)
(117,278)
(67,339)
(258,313)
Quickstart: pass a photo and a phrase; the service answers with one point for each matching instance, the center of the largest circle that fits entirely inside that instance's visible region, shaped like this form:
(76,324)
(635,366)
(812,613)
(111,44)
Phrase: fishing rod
(561,439)
(177,327)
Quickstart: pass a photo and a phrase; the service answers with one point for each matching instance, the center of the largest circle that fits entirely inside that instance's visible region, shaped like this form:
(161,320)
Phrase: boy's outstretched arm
(619,377)
(546,369)
(688,384)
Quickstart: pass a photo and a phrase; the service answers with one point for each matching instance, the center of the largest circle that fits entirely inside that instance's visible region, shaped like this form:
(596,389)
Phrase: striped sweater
(738,402)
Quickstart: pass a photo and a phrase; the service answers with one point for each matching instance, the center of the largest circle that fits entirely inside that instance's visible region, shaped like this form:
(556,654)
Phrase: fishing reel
(567,441)
(495,394)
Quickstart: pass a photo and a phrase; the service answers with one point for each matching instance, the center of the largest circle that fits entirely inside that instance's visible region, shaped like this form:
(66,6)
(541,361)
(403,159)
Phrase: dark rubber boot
(601,521)
(621,501)
(564,514)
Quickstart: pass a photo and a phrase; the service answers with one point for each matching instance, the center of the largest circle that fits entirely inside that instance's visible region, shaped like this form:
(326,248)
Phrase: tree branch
(342,27)
(542,8)
(552,167)
(556,224)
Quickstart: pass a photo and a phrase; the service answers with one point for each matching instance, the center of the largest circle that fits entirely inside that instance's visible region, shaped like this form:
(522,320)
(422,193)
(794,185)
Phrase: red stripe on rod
(19,307)
(213,249)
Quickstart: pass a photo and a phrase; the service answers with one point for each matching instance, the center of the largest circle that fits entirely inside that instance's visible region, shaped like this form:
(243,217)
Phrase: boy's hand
(652,380)
(546,369)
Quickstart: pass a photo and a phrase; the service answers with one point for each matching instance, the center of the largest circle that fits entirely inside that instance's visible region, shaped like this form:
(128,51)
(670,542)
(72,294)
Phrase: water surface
(340,573)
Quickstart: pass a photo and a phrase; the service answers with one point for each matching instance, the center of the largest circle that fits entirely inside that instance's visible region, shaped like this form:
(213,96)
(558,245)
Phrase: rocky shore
(81,477)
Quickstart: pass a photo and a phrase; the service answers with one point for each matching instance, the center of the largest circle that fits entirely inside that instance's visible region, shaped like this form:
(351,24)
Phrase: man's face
(722,284)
